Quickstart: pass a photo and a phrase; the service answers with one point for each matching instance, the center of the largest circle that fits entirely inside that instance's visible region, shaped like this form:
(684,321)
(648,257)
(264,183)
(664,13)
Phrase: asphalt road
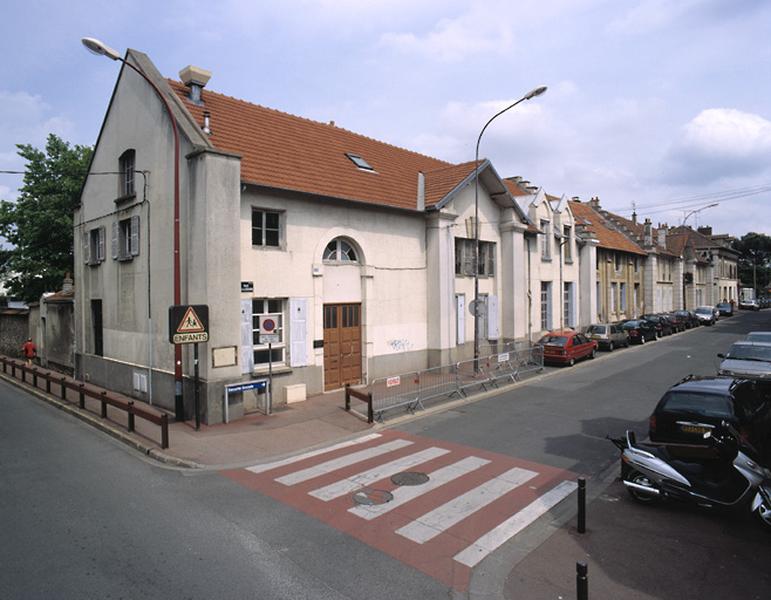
(84,517)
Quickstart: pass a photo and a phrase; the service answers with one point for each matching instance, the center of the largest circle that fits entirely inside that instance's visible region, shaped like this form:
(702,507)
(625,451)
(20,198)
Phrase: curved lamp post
(101,49)
(698,210)
(531,94)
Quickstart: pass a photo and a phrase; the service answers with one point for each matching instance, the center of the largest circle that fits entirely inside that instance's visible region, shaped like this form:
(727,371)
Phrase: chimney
(647,233)
(206,122)
(196,79)
(705,231)
(67,285)
(634,217)
(421,203)
(662,235)
(331,123)
(595,202)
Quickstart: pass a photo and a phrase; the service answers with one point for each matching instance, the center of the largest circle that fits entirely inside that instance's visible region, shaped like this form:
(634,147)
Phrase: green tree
(755,250)
(38,224)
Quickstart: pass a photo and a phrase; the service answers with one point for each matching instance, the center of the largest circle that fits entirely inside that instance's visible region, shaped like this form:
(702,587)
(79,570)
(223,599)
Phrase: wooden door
(342,345)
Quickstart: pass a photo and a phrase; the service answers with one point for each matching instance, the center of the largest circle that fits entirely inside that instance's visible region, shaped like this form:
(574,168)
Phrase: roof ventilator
(196,79)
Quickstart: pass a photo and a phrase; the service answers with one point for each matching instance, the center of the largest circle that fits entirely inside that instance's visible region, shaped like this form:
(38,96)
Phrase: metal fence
(411,391)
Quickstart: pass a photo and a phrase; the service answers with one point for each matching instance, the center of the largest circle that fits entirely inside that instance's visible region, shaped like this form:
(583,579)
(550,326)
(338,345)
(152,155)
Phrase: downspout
(149,307)
(529,298)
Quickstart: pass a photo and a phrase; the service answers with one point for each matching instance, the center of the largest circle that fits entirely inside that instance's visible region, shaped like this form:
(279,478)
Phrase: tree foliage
(755,260)
(38,224)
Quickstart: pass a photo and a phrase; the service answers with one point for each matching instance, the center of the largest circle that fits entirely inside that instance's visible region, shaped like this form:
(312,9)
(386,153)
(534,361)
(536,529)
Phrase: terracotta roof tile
(515,189)
(283,151)
(440,182)
(608,237)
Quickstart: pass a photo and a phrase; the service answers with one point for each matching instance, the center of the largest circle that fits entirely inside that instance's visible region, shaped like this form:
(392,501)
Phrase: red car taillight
(652,424)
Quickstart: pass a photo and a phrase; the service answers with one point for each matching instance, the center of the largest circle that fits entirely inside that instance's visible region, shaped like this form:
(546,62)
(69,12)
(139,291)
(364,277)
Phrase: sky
(662,105)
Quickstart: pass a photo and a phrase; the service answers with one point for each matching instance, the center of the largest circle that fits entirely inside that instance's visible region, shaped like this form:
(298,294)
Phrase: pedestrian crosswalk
(471,503)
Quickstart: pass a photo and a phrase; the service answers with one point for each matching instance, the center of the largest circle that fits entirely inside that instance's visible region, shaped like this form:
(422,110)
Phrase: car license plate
(693,429)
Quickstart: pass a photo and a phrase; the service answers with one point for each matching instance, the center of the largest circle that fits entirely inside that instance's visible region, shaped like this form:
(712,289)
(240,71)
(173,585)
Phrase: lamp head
(535,92)
(99,48)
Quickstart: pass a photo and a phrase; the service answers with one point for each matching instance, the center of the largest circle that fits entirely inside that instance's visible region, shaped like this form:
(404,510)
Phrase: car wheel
(571,362)
(594,353)
(610,347)
(643,480)
(642,339)
(763,513)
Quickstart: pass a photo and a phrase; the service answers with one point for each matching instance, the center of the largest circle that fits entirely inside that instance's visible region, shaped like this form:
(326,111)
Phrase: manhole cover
(409,478)
(370,497)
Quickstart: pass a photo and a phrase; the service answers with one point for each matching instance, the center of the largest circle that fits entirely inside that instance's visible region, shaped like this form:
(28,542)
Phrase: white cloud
(720,143)
(650,15)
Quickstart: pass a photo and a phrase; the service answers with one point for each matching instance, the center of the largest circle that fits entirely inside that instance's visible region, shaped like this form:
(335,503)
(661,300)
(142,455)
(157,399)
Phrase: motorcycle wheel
(763,513)
(644,480)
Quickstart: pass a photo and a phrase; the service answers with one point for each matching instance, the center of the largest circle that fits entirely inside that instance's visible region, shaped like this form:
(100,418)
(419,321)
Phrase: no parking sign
(269,325)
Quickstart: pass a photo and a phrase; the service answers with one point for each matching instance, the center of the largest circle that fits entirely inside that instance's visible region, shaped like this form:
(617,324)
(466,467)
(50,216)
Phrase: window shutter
(298,332)
(115,238)
(100,245)
(468,257)
(460,307)
(492,317)
(134,240)
(86,247)
(247,343)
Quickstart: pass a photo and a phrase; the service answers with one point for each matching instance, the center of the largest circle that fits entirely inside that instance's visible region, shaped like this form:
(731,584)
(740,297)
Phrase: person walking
(29,350)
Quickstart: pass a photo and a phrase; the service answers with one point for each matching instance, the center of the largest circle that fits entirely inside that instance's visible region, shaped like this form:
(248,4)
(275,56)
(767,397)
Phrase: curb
(105,427)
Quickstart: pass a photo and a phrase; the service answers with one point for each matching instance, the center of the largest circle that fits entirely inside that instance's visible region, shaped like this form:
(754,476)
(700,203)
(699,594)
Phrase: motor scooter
(724,472)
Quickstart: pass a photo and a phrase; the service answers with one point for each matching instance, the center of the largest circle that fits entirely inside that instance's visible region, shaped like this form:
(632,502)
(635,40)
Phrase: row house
(619,267)
(362,253)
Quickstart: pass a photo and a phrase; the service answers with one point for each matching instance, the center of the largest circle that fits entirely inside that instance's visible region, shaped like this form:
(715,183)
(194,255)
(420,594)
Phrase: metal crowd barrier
(411,390)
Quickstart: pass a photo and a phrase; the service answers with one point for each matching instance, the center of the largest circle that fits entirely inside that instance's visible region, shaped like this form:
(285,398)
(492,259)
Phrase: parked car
(565,347)
(725,309)
(696,405)
(758,336)
(705,315)
(608,336)
(639,331)
(689,318)
(751,360)
(678,324)
(763,302)
(748,305)
(663,326)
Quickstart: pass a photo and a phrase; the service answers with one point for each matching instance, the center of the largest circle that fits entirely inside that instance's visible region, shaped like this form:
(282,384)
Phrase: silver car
(705,315)
(747,360)
(759,336)
(608,336)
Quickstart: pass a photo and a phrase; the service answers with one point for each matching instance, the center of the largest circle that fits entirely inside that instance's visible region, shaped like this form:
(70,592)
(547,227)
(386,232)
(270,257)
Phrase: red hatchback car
(566,347)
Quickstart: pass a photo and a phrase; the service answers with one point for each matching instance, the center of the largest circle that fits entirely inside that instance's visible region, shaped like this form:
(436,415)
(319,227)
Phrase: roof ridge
(311,121)
(454,166)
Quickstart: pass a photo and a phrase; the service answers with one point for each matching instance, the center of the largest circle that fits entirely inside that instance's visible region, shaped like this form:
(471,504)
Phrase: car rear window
(597,329)
(709,405)
(704,311)
(631,325)
(554,340)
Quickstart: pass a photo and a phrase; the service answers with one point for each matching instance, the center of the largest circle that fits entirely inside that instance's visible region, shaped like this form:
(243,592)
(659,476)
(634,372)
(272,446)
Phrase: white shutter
(134,239)
(115,239)
(460,327)
(492,317)
(298,332)
(247,350)
(86,247)
(100,245)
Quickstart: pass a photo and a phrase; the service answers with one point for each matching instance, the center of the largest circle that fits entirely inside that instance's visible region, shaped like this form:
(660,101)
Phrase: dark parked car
(696,405)
(678,324)
(639,331)
(688,317)
(725,309)
(663,326)
(705,315)
(608,336)
(566,347)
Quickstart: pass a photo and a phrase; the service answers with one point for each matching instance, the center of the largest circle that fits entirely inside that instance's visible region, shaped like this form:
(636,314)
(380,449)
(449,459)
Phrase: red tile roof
(515,189)
(603,231)
(441,182)
(283,151)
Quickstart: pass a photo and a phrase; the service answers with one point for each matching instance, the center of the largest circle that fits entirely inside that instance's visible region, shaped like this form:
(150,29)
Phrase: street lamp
(698,210)
(101,49)
(531,94)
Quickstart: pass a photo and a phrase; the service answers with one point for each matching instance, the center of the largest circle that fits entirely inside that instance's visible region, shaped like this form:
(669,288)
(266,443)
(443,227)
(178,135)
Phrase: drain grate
(409,478)
(368,497)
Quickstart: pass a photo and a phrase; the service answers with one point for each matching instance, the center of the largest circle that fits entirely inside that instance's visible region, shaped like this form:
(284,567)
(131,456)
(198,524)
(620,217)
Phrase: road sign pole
(270,379)
(195,384)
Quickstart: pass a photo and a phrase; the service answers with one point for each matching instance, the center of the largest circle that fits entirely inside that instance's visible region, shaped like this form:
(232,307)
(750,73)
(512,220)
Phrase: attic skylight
(360,162)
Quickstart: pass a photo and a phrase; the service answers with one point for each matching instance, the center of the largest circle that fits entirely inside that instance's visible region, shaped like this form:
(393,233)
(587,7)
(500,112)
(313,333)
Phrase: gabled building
(362,253)
(619,266)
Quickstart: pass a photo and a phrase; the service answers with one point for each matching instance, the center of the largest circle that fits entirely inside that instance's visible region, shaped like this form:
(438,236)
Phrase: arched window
(126,166)
(338,250)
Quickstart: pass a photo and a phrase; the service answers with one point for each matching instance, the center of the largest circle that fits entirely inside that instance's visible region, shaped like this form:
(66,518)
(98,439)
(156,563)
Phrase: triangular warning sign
(190,323)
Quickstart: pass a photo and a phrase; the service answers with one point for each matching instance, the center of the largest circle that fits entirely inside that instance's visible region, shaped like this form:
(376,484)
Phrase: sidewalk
(318,421)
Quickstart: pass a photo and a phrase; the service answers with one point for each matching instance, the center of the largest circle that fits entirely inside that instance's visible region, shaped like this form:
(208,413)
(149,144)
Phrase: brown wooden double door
(342,345)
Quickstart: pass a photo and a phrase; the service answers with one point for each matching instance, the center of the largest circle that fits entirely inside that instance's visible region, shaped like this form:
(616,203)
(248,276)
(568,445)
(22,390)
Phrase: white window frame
(125,238)
(277,308)
(127,178)
(94,246)
(465,255)
(342,248)
(264,229)
(546,242)
(546,305)
(567,241)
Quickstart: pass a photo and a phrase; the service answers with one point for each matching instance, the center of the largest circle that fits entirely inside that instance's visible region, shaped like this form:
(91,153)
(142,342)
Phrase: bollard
(64,388)
(582,581)
(48,383)
(34,378)
(164,431)
(104,404)
(131,415)
(24,374)
(81,396)
(581,505)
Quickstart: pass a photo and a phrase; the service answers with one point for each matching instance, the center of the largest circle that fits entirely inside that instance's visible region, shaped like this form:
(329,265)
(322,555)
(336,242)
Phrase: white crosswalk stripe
(436,479)
(498,536)
(343,461)
(346,486)
(293,459)
(442,518)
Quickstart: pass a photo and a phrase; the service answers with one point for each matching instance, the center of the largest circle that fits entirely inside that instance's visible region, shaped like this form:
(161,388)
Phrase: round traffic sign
(268,325)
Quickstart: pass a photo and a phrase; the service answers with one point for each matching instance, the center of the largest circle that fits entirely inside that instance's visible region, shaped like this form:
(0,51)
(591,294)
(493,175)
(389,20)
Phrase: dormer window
(360,162)
(127,166)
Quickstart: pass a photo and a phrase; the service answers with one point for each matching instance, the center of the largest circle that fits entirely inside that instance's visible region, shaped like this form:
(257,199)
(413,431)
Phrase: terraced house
(362,252)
